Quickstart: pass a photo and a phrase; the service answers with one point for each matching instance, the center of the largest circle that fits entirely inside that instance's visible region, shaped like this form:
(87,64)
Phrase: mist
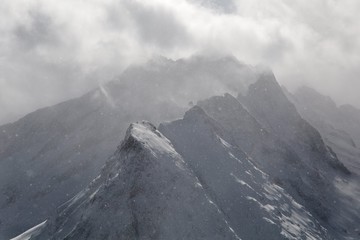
(51,51)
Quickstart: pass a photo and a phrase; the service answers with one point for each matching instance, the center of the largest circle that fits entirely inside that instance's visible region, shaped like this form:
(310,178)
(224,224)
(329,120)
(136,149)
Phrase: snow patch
(223,142)
(241,181)
(107,96)
(31,232)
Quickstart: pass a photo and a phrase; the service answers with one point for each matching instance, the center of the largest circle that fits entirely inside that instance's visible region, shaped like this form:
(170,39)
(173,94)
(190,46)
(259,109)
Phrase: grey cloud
(277,48)
(158,26)
(53,50)
(221,6)
(39,30)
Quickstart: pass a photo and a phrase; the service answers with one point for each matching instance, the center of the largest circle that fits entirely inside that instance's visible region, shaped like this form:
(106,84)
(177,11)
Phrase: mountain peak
(144,135)
(138,128)
(267,102)
(267,82)
(194,112)
(149,190)
(312,96)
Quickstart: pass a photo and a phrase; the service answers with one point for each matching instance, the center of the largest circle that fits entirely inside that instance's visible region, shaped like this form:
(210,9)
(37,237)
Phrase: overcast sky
(52,50)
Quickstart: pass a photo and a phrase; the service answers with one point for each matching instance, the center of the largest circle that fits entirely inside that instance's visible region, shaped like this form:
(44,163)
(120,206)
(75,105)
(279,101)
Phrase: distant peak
(194,111)
(226,99)
(269,77)
(310,94)
(263,69)
(229,97)
(216,58)
(267,84)
(349,107)
(308,91)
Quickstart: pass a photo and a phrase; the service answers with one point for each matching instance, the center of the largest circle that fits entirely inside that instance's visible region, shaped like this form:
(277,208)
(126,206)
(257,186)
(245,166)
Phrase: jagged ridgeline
(240,161)
(56,151)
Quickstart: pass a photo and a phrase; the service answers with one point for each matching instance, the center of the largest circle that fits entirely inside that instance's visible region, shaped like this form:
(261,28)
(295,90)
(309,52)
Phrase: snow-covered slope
(145,191)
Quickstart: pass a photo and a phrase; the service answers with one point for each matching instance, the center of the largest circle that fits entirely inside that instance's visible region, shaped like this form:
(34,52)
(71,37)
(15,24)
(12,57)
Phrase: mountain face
(145,191)
(195,183)
(269,105)
(311,184)
(278,158)
(255,205)
(339,127)
(324,172)
(232,167)
(51,154)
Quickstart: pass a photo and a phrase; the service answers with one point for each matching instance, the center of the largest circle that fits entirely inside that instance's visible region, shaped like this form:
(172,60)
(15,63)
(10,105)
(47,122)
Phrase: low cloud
(53,50)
